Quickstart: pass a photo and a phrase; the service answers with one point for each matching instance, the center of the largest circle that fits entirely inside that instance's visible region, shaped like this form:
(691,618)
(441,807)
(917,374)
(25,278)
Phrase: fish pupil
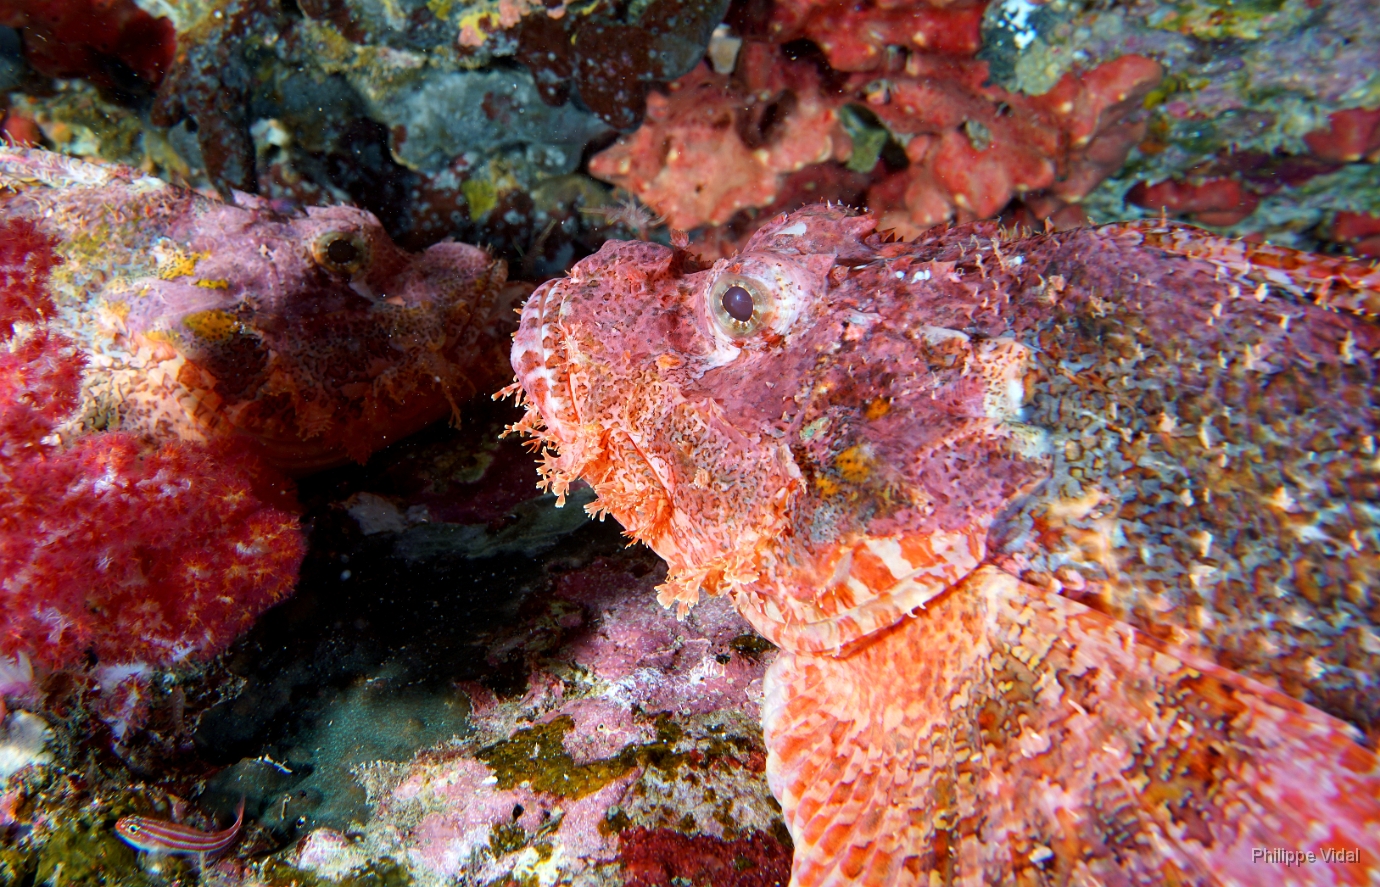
(737,303)
(342,252)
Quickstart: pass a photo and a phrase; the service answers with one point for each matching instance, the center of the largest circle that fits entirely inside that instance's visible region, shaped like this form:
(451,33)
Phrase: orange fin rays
(1008,735)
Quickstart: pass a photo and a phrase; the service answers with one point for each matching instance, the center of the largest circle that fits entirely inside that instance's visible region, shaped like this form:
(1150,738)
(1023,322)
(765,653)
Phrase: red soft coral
(107,548)
(26,260)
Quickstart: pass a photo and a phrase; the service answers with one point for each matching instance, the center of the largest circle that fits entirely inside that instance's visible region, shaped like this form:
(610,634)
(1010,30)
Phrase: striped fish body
(160,836)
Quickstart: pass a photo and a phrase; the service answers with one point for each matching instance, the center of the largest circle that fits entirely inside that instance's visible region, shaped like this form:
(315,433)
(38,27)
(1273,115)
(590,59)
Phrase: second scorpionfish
(307,332)
(1070,541)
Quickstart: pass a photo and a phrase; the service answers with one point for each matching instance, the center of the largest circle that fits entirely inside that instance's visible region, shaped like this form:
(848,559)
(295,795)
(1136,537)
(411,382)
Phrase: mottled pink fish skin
(1069,539)
(305,330)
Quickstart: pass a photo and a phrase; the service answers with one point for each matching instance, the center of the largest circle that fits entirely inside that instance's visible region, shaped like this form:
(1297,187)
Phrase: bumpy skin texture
(1068,539)
(309,332)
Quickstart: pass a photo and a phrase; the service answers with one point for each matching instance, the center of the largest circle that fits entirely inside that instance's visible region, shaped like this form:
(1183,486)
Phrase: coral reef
(568,728)
(1276,98)
(307,333)
(713,145)
(416,112)
(470,684)
(1001,499)
(321,109)
(973,148)
(632,721)
(110,550)
(861,37)
(1048,113)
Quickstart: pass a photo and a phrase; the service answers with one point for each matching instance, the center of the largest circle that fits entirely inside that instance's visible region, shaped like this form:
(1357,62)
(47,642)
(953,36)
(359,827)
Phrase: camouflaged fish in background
(308,332)
(1070,541)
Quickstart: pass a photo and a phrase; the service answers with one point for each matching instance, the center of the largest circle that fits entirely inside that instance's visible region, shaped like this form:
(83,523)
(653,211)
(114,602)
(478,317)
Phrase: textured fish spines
(1208,451)
(856,588)
(1338,282)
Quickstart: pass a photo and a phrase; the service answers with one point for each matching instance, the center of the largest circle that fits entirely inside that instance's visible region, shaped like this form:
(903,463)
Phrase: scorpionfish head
(314,334)
(788,426)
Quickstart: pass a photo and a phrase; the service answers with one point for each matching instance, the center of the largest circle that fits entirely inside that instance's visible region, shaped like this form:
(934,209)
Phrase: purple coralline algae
(635,721)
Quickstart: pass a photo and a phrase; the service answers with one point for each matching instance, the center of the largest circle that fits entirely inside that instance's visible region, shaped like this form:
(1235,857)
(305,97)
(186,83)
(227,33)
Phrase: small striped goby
(161,836)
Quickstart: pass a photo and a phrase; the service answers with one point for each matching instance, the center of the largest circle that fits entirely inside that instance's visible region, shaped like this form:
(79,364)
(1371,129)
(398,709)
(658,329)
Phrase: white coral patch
(23,742)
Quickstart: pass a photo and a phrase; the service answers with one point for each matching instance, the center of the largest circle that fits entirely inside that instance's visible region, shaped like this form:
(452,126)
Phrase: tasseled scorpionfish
(308,332)
(1070,541)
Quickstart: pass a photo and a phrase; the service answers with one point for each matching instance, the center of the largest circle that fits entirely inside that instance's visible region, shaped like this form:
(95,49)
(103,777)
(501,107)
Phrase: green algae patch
(481,195)
(507,837)
(382,873)
(868,135)
(1230,19)
(214,325)
(537,756)
(614,822)
(88,853)
(15,866)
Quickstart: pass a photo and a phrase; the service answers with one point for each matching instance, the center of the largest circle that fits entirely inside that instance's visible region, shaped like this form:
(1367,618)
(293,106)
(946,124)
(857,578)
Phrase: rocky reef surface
(505,122)
(467,684)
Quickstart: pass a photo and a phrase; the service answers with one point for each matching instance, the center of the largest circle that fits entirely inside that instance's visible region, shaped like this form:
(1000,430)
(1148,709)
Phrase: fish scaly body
(159,836)
(1070,541)
(305,333)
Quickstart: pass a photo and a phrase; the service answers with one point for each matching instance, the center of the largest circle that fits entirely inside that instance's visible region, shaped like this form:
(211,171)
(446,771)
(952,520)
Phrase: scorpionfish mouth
(541,361)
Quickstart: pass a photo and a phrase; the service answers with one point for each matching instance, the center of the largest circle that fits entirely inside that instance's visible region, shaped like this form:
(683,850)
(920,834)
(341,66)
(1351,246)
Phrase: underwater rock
(75,119)
(476,115)
(1022,507)
(413,698)
(306,334)
(635,721)
(23,739)
(608,57)
(211,84)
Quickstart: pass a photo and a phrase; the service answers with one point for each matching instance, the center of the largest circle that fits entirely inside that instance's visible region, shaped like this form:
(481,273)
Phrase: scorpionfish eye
(341,252)
(740,305)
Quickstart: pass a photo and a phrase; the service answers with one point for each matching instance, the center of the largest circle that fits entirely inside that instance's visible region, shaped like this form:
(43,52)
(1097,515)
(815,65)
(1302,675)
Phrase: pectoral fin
(1009,735)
